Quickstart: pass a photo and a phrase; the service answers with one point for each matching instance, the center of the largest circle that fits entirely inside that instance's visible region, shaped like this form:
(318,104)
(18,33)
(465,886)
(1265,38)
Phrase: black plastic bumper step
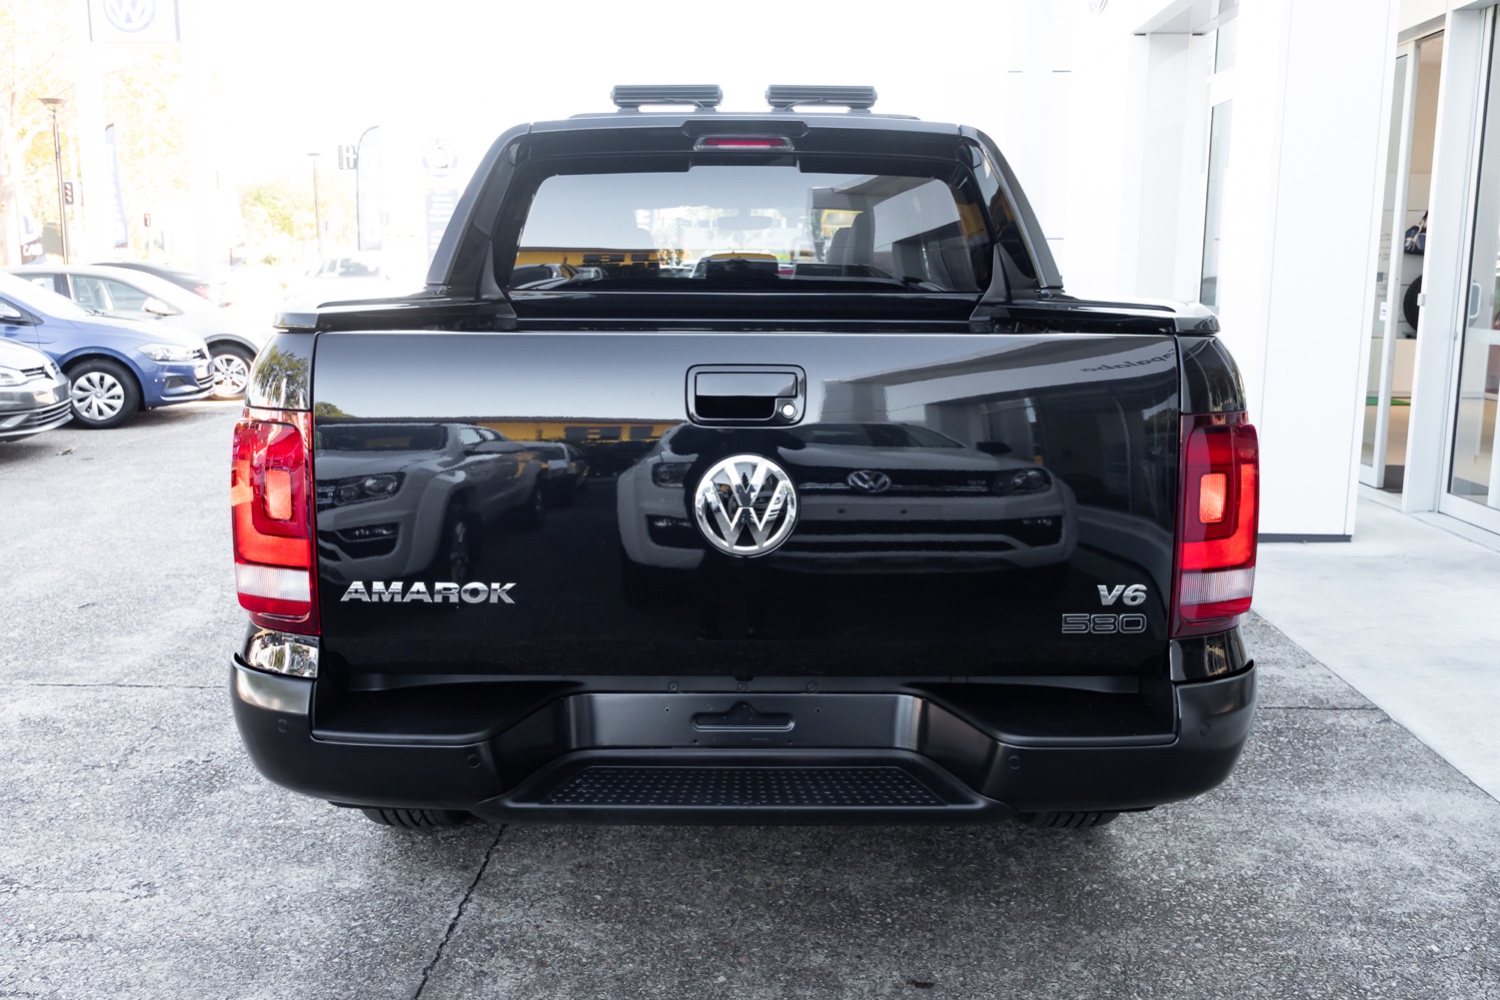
(743,787)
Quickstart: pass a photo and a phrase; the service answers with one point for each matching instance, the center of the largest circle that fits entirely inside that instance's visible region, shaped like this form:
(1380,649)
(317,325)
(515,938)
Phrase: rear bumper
(664,758)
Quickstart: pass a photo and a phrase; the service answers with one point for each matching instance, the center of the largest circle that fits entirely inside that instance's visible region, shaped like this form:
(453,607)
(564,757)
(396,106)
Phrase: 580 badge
(1103,624)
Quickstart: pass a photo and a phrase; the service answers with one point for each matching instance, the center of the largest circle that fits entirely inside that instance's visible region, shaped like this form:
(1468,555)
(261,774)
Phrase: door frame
(1374,474)
(1482,515)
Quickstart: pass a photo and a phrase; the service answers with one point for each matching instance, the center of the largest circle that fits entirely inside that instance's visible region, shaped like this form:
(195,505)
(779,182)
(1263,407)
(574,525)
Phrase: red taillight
(1217,521)
(271,496)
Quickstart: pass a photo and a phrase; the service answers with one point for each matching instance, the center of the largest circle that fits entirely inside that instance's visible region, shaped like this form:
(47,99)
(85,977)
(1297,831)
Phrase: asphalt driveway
(142,856)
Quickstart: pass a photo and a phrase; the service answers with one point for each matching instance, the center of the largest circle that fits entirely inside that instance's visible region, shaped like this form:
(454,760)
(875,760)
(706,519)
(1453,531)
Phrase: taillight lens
(1216,523)
(271,491)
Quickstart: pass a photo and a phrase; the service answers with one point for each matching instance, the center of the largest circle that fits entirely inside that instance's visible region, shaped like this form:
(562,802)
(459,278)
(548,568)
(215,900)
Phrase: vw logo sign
(745,505)
(130,15)
(869,481)
(438,158)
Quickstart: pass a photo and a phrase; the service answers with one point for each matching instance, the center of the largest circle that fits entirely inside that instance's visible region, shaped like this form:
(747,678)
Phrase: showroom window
(1474,474)
(1225,37)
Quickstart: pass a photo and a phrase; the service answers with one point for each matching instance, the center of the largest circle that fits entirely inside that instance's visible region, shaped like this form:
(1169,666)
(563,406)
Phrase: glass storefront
(1400,262)
(1218,156)
(1226,47)
(1377,387)
(1473,474)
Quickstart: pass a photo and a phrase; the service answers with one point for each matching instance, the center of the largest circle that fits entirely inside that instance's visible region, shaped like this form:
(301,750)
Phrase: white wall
(1037,97)
(1309,89)
(1135,164)
(1300,218)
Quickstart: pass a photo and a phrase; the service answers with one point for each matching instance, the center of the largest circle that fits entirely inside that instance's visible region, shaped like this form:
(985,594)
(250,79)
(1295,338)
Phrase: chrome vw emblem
(869,481)
(130,15)
(745,505)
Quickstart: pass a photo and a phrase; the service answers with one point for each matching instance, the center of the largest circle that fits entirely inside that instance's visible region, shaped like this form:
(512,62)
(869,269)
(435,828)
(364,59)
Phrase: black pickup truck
(870,522)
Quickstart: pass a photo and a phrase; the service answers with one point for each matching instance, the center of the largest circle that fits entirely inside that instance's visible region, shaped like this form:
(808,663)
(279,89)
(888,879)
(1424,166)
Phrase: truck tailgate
(965,505)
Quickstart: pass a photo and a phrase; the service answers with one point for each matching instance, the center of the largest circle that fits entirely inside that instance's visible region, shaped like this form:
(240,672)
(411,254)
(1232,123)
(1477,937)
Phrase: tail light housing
(1217,520)
(271,496)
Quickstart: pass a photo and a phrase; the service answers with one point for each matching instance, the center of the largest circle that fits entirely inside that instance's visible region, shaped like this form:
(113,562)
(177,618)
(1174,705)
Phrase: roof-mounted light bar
(704,96)
(783,97)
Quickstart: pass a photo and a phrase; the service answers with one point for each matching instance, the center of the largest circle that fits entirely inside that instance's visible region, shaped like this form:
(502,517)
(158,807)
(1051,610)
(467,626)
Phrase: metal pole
(62,212)
(317,209)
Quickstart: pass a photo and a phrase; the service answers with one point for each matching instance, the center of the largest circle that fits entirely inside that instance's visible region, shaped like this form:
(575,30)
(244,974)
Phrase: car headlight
(358,489)
(10,376)
(169,352)
(670,473)
(1032,480)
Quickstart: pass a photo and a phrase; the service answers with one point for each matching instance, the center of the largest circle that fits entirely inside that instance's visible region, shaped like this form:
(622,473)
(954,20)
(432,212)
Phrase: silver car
(135,295)
(33,393)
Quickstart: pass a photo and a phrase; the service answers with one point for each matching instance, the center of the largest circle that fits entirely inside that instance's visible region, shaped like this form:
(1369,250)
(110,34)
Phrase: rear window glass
(734,226)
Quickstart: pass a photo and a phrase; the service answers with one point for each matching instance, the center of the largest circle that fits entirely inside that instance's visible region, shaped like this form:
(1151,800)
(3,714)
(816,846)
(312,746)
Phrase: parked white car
(340,278)
(395,500)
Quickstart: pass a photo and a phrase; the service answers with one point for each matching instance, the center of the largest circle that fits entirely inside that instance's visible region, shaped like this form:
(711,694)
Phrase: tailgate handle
(744,717)
(746,394)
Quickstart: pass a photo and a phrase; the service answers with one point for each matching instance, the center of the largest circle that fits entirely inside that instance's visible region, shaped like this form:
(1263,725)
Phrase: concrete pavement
(1409,614)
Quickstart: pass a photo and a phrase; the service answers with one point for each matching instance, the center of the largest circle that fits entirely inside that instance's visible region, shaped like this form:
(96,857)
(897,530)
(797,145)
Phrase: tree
(279,213)
(142,94)
(34,44)
(143,98)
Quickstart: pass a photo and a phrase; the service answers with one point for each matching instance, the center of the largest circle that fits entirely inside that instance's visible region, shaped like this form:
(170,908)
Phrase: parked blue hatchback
(117,366)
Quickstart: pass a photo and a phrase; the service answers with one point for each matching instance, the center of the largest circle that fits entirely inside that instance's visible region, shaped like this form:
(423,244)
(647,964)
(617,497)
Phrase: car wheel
(418,819)
(458,546)
(105,394)
(1410,310)
(231,367)
(534,512)
(1066,820)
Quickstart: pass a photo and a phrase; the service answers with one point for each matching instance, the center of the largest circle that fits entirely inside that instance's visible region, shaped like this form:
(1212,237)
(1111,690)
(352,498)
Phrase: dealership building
(1326,176)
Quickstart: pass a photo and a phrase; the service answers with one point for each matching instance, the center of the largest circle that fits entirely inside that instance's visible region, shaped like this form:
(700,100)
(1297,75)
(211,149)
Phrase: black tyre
(1409,308)
(458,545)
(1066,820)
(418,819)
(231,368)
(105,393)
(533,513)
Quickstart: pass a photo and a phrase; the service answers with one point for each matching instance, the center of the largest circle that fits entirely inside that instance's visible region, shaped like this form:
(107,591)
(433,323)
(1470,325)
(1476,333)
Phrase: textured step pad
(765,787)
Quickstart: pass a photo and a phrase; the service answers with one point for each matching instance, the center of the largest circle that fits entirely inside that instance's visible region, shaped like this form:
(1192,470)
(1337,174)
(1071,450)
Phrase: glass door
(1395,314)
(1372,457)
(1473,485)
